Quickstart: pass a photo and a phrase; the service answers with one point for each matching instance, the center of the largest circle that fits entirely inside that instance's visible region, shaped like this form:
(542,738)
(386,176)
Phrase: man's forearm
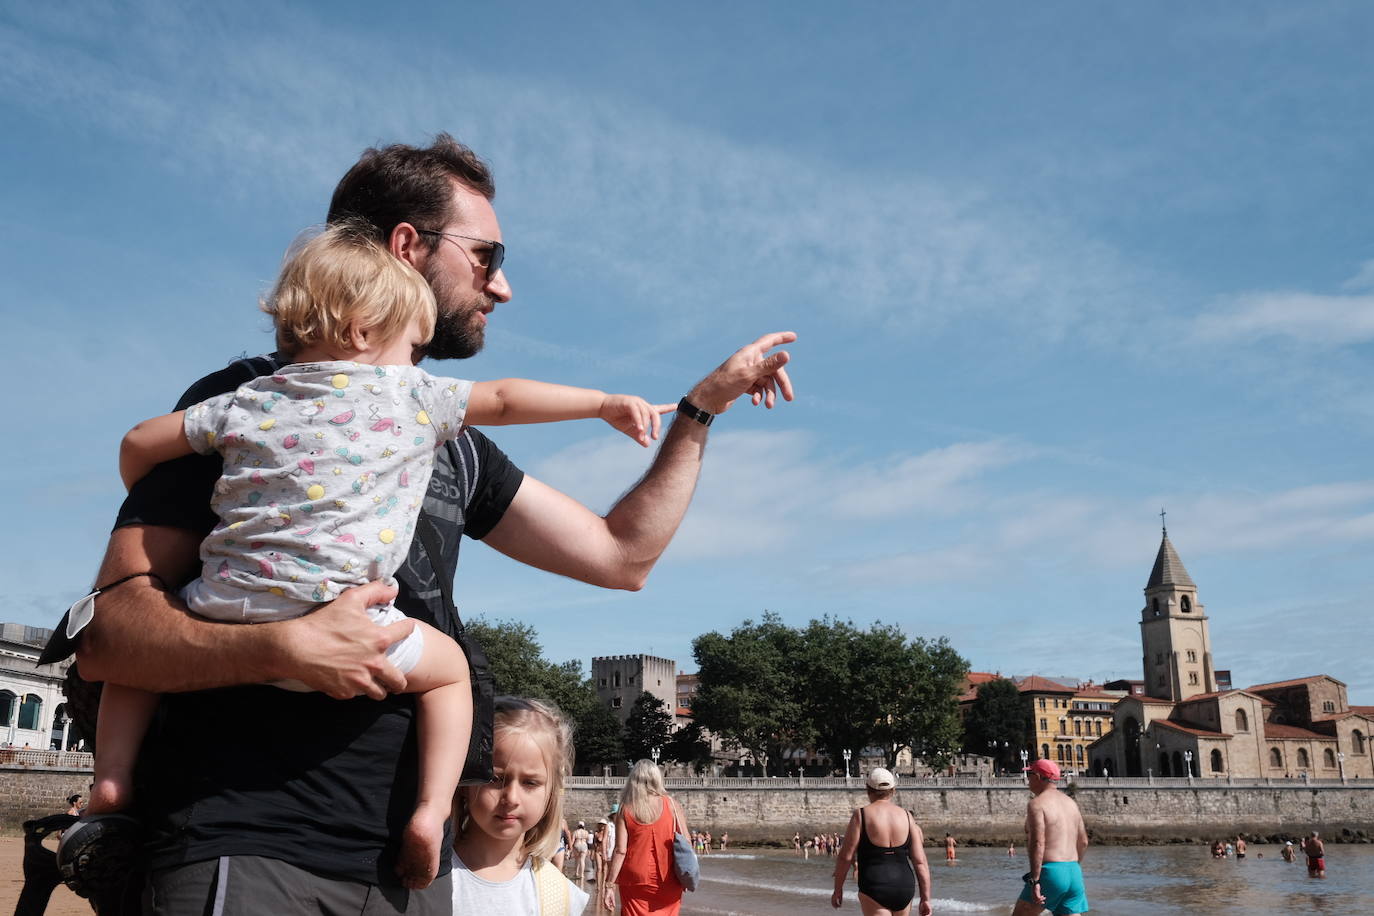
(142,636)
(642,523)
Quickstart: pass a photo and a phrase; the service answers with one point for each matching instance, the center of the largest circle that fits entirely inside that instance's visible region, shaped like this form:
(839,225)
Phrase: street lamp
(1340,764)
(653,752)
(1188,764)
(1025,755)
(847,754)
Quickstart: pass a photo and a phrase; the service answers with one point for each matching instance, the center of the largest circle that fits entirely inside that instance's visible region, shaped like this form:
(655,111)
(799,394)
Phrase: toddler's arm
(514,401)
(150,443)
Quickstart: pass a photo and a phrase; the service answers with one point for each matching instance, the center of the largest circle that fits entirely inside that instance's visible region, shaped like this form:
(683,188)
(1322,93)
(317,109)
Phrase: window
(615,702)
(630,679)
(29,711)
(1060,753)
(1159,658)
(7,705)
(1328,706)
(1045,751)
(1160,680)
(1216,761)
(1080,755)
(1044,727)
(1042,702)
(1276,758)
(1192,677)
(1357,741)
(1304,761)
(1154,605)
(601,682)
(1329,759)
(615,679)
(1099,728)
(1078,726)
(1242,721)
(1192,655)
(1186,604)
(1063,726)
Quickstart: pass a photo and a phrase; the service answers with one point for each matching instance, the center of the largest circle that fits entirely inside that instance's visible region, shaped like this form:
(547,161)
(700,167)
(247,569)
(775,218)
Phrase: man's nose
(497,288)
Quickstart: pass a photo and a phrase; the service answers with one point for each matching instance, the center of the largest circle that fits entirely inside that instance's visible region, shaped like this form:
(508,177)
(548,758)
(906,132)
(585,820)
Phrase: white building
(32,713)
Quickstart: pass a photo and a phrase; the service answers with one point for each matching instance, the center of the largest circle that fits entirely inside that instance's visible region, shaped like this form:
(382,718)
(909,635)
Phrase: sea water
(1121,880)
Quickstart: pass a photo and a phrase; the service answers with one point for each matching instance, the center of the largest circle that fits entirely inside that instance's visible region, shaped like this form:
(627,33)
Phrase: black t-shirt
(323,784)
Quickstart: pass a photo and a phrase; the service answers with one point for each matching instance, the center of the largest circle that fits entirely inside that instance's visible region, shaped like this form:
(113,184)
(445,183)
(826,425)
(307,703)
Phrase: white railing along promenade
(917,783)
(27,758)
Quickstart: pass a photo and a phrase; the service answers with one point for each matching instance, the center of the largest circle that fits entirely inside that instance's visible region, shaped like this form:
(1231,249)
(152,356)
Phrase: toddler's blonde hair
(341,281)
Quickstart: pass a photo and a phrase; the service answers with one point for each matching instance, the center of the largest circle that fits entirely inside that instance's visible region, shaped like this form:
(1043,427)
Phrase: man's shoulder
(240,370)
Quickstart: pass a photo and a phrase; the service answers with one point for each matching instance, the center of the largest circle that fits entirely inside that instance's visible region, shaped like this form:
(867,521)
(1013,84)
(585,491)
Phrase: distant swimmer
(1240,847)
(1315,850)
(1055,842)
(950,854)
(1287,852)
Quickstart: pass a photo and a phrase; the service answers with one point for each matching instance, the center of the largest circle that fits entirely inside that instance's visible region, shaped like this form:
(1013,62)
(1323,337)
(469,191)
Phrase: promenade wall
(994,810)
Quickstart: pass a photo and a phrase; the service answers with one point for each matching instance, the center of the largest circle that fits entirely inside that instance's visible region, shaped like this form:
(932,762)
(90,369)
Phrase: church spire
(1168,569)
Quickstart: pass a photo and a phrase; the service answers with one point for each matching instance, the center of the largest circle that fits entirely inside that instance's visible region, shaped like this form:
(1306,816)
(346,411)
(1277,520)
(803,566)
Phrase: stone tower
(1173,632)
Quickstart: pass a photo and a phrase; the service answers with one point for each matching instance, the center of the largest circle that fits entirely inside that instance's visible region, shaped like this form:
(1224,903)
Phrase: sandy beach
(63,902)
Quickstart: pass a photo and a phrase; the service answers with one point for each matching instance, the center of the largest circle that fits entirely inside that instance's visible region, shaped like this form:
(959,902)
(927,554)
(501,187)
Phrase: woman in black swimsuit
(889,875)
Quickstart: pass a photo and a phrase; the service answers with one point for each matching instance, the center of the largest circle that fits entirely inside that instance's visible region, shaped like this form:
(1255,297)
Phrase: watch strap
(693,412)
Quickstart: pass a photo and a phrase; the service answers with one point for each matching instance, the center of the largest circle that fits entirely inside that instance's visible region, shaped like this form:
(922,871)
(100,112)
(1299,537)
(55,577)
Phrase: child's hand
(635,417)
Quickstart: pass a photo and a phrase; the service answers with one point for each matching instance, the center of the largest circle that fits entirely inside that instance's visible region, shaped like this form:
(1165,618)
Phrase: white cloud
(1306,318)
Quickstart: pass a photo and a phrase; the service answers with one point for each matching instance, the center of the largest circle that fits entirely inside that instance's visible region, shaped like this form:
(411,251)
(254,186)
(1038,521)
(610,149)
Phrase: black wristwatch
(693,412)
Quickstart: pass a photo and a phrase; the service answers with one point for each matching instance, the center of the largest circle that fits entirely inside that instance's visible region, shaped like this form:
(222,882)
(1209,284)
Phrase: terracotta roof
(1294,682)
(1190,729)
(1363,710)
(1168,568)
(1036,684)
(1274,730)
(1154,701)
(1207,696)
(981,677)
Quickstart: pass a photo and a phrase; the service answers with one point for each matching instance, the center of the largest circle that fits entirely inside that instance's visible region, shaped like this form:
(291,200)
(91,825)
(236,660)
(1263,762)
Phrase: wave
(940,905)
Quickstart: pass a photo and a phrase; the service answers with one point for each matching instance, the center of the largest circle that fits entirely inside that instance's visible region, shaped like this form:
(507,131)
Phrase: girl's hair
(340,281)
(642,792)
(545,725)
(73,799)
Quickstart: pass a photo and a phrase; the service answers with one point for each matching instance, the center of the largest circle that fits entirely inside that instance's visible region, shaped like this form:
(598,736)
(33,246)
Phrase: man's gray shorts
(254,885)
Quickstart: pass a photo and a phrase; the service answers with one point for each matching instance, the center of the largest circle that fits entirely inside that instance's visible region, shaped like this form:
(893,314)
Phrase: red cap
(1046,769)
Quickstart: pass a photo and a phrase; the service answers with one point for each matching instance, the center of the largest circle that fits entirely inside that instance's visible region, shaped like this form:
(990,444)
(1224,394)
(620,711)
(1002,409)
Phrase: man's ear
(407,244)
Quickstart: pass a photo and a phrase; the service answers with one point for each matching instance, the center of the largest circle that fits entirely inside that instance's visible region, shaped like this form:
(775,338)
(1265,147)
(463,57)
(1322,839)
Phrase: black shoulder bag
(477,767)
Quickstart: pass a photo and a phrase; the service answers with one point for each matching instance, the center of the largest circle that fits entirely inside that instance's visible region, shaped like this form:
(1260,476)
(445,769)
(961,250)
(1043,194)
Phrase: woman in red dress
(642,865)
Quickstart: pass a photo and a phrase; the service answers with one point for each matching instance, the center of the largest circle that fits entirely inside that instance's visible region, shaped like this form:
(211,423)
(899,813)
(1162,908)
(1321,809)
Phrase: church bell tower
(1173,632)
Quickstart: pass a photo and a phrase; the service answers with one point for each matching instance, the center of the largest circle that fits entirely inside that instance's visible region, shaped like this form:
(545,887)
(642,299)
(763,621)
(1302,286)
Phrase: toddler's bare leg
(444,720)
(124,716)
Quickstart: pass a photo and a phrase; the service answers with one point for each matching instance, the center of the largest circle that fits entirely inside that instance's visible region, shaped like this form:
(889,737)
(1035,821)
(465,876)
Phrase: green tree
(648,726)
(928,720)
(689,746)
(748,690)
(598,739)
(518,668)
(875,688)
(996,723)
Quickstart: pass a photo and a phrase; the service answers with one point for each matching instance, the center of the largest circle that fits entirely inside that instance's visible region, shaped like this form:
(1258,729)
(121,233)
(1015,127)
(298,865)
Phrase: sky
(1054,267)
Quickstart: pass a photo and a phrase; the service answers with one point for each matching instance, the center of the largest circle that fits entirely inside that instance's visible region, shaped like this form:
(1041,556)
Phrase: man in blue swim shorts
(1055,842)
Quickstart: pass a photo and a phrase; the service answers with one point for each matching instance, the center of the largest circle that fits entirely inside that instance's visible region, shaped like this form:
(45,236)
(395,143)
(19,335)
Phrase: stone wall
(29,792)
(997,813)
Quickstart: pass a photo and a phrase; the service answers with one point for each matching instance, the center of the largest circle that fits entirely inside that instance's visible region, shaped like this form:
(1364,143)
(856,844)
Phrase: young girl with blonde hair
(507,829)
(326,463)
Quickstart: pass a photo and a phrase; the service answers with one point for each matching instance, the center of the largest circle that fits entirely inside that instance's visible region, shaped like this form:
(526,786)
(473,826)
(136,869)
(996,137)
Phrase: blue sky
(1053,266)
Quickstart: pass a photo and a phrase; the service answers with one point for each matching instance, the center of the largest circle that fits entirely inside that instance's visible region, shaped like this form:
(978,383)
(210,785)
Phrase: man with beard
(265,801)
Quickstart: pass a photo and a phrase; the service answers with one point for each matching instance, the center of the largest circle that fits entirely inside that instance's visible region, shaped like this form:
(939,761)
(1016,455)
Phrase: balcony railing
(11,757)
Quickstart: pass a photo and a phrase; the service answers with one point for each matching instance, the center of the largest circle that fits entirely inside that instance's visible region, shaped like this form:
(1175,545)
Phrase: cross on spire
(1162,525)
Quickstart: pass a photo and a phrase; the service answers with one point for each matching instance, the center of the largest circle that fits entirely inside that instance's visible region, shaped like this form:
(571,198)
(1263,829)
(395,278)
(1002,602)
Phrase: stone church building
(1182,723)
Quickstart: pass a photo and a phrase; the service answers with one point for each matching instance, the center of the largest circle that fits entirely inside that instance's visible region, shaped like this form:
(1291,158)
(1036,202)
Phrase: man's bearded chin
(456,334)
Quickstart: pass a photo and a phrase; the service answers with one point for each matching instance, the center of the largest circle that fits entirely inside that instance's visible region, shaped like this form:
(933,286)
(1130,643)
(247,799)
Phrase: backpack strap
(551,887)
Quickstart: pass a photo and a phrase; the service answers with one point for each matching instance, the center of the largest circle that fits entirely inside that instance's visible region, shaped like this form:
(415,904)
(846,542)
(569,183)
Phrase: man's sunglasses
(496,254)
